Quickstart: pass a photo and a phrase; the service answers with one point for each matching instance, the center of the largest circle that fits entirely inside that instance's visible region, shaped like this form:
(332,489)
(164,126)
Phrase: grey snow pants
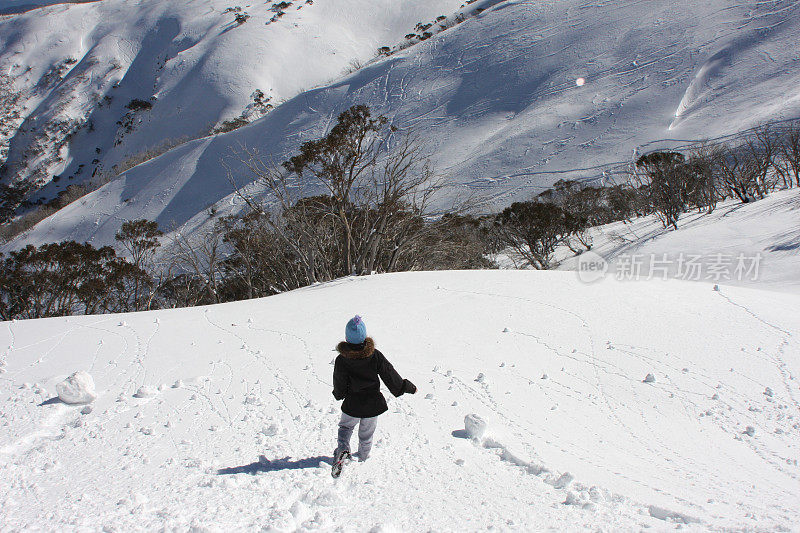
(366,429)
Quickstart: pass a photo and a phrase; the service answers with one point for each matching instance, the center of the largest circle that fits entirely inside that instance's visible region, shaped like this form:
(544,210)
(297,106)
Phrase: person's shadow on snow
(267,465)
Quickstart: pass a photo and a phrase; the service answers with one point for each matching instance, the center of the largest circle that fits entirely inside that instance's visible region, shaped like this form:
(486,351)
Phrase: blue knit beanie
(356,331)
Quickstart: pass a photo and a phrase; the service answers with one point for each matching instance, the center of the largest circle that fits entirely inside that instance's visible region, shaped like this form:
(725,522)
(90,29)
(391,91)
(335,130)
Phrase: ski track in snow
(777,359)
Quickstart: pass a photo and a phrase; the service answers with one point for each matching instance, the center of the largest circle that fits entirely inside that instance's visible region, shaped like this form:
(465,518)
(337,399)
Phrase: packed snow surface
(238,425)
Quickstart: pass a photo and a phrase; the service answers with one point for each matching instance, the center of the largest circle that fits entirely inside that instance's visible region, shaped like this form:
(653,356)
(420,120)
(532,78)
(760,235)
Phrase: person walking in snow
(355,380)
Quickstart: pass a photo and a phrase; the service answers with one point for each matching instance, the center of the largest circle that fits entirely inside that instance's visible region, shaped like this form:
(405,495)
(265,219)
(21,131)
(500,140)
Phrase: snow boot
(338,462)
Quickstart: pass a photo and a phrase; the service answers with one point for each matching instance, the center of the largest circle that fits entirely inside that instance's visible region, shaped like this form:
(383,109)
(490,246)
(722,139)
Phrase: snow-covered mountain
(221,418)
(496,96)
(108,80)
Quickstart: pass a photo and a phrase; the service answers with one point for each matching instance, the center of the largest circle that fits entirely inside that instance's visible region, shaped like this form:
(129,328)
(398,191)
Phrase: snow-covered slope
(190,400)
(764,235)
(79,66)
(21,6)
(495,97)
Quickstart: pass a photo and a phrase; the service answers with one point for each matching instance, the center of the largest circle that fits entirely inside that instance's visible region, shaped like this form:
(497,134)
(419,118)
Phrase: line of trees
(662,183)
(357,201)
(67,278)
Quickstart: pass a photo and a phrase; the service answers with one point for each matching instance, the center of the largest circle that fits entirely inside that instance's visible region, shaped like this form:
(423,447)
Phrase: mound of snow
(562,481)
(77,389)
(580,499)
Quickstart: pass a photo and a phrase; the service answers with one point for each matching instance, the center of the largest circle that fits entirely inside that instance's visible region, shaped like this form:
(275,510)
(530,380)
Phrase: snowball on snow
(561,482)
(77,389)
(475,426)
(271,430)
(145,392)
(650,378)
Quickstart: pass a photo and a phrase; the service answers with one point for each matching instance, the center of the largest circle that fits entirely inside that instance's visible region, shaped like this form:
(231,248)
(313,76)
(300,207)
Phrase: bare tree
(450,242)
(703,187)
(789,153)
(258,263)
(140,239)
(197,258)
(761,149)
(339,162)
(394,201)
(668,179)
(737,174)
(377,187)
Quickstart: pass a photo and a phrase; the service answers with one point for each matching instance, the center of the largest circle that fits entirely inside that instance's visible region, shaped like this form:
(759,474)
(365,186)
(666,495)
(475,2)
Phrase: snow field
(237,425)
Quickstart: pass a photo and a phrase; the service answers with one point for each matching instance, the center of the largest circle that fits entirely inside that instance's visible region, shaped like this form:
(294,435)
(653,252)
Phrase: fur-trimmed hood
(356,351)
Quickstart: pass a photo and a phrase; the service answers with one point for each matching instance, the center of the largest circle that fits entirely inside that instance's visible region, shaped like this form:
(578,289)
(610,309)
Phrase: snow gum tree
(668,182)
(140,239)
(354,201)
(66,278)
(534,229)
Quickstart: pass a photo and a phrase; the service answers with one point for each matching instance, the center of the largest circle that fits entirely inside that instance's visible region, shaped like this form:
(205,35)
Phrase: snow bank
(77,389)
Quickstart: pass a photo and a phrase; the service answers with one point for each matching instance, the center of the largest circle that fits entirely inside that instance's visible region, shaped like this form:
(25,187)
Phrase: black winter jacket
(355,379)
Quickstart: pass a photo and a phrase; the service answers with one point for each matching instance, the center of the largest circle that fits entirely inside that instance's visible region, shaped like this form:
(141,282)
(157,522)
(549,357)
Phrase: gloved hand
(409,387)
